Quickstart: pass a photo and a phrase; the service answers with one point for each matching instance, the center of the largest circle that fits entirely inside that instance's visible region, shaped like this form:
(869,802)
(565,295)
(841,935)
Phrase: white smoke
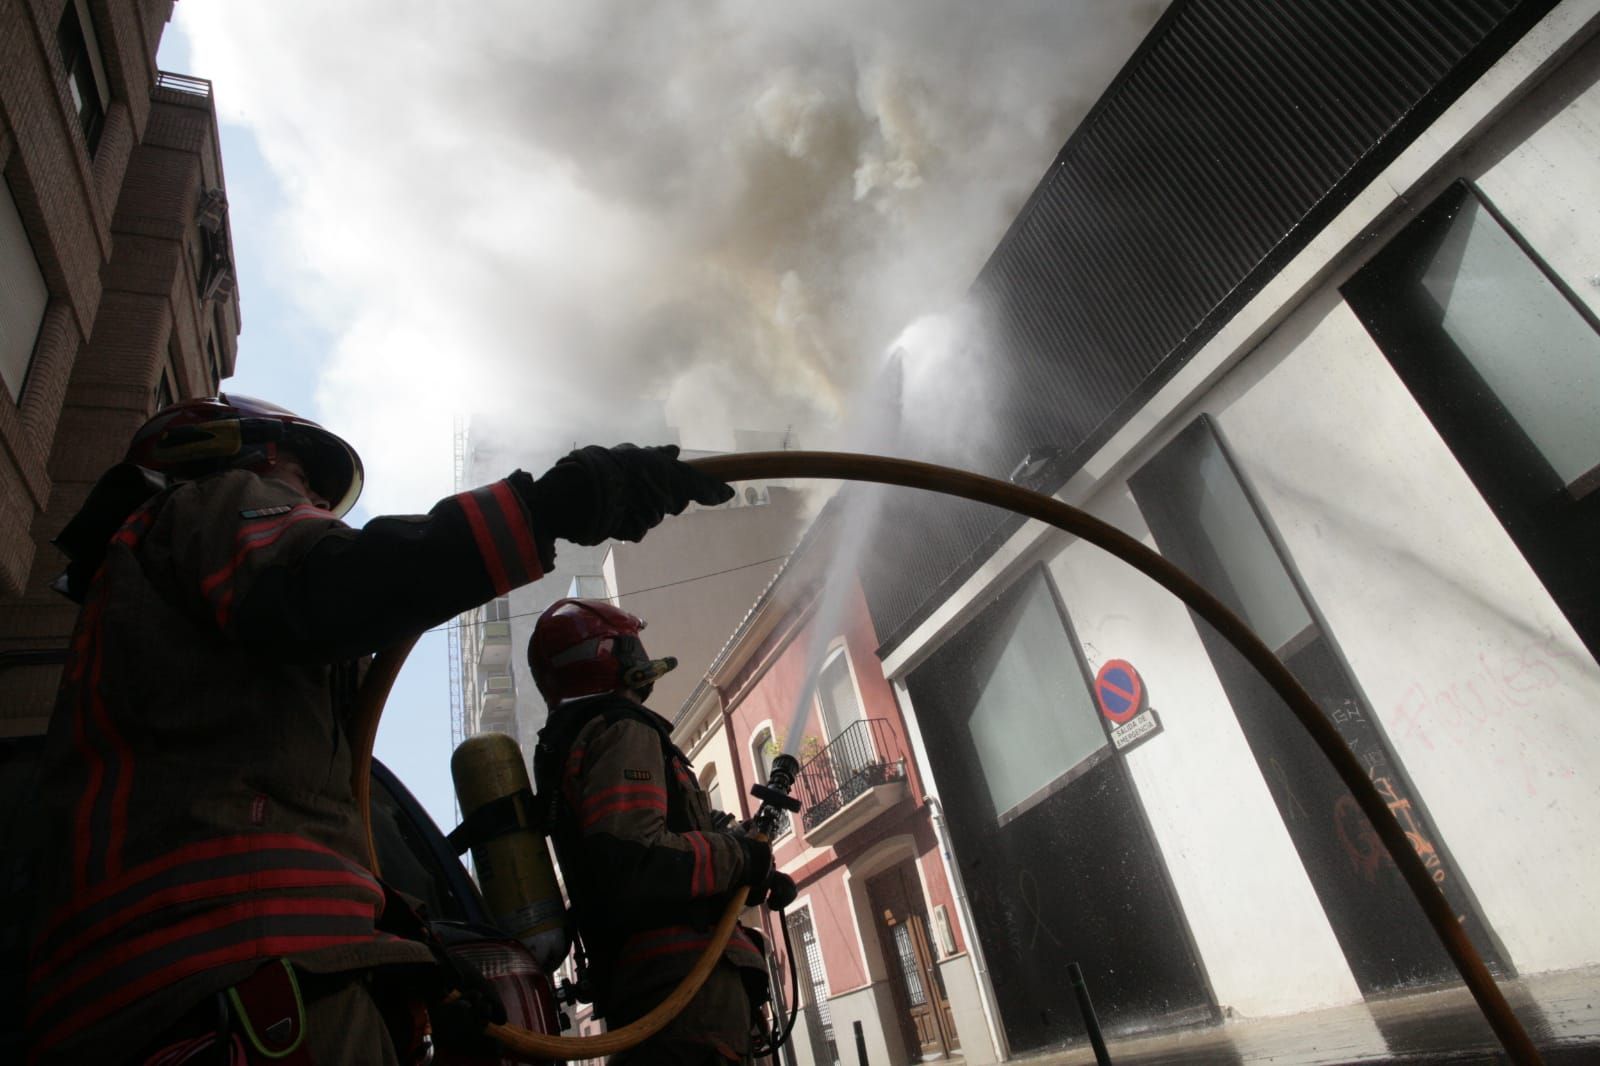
(575,220)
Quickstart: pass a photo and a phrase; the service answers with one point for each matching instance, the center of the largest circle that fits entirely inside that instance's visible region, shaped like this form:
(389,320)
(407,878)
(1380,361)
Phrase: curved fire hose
(910,474)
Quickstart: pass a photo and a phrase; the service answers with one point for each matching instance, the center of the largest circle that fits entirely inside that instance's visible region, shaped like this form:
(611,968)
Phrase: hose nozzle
(774,795)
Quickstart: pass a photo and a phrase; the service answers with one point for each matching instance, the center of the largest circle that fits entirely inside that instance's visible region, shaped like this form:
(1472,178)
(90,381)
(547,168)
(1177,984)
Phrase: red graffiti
(1364,847)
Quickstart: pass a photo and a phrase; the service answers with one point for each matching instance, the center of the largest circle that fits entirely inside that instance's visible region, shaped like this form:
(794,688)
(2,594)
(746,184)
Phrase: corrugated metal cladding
(1236,131)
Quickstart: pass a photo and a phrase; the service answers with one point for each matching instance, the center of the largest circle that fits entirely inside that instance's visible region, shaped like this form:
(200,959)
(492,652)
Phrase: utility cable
(631,592)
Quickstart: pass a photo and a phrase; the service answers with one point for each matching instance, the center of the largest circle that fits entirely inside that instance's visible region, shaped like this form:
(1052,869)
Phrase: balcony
(498,696)
(494,645)
(861,774)
(184,84)
(499,722)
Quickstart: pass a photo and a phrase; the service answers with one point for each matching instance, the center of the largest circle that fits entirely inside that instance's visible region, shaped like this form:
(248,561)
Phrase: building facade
(1309,304)
(117,297)
(881,953)
(116,288)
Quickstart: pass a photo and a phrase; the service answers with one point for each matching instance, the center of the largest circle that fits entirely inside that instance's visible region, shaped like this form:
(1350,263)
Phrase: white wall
(1485,692)
(1541,167)
(869,1005)
(1261,932)
(966,1006)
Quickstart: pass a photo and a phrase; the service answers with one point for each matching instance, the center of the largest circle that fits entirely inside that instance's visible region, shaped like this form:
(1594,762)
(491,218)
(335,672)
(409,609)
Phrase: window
(1505,362)
(408,861)
(813,989)
(497,610)
(849,750)
(836,693)
(588,587)
(1206,520)
(214,364)
(86,75)
(162,395)
(1033,725)
(712,788)
(23,296)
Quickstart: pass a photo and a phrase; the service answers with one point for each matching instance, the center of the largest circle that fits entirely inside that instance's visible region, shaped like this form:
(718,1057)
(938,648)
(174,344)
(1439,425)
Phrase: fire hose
(910,474)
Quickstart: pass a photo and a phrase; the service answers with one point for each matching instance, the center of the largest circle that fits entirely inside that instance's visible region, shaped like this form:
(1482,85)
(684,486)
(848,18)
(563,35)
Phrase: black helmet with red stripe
(588,647)
(227,431)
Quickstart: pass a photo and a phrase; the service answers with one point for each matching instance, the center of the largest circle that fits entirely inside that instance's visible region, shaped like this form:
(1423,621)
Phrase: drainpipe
(974,947)
(733,745)
(930,795)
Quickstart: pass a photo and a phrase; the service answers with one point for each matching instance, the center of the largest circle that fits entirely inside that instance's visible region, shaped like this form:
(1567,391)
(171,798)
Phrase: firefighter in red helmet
(205,850)
(648,864)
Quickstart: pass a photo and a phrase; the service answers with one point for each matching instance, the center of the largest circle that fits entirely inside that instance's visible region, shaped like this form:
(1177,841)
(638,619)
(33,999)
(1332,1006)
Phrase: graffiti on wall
(1360,841)
(1495,697)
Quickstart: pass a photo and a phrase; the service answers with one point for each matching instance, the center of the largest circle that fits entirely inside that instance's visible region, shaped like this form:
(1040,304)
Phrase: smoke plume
(585,221)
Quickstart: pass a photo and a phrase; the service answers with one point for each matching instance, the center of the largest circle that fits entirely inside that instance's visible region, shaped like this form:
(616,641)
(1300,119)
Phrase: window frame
(839,651)
(13,211)
(1105,750)
(708,780)
(83,62)
(1549,518)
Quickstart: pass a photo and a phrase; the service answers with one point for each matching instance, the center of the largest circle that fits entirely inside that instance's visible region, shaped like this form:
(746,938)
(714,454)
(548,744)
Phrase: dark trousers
(713,1030)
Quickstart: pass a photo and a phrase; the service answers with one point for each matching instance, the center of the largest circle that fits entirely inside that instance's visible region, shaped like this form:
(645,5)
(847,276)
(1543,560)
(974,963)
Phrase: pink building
(880,942)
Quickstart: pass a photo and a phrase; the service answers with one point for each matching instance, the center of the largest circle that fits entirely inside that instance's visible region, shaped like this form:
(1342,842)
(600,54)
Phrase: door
(808,968)
(1206,521)
(924,1008)
(1057,856)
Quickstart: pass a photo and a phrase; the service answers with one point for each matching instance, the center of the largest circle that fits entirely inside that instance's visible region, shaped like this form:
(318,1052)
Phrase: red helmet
(587,647)
(202,436)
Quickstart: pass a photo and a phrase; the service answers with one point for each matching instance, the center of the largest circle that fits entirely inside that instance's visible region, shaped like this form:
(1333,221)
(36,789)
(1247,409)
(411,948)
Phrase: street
(1562,1011)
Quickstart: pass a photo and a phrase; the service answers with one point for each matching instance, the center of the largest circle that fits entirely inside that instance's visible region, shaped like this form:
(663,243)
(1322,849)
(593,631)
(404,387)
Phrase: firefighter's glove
(781,891)
(757,867)
(595,494)
(458,1021)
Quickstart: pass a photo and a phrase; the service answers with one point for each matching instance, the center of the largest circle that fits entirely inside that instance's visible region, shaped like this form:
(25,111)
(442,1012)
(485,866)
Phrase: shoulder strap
(562,729)
(116,497)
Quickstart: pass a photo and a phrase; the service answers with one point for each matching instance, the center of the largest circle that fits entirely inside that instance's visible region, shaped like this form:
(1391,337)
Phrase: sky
(581,222)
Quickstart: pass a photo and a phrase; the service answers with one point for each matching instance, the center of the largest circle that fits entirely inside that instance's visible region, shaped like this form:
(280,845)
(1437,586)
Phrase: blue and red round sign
(1119,690)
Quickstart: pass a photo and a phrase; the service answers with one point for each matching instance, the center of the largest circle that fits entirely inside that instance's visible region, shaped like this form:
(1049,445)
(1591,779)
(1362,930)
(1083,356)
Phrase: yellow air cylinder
(513,864)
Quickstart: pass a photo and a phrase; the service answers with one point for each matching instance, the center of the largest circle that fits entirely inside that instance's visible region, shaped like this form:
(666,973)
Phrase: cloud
(574,220)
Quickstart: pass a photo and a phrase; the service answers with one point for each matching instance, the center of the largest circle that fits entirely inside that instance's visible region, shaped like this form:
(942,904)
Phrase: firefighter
(206,880)
(648,864)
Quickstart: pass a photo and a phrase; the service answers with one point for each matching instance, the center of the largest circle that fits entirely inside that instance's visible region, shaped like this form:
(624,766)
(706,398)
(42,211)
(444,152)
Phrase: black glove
(595,494)
(757,867)
(461,1002)
(781,891)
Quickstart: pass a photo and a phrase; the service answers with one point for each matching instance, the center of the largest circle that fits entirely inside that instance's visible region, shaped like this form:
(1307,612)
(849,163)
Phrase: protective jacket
(196,778)
(648,872)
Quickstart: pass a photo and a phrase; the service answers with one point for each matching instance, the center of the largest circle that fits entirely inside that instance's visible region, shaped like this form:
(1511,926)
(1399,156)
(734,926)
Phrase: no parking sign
(1120,695)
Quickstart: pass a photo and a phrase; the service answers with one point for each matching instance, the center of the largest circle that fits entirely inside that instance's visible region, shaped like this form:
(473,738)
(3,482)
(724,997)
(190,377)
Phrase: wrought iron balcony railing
(859,759)
(183,83)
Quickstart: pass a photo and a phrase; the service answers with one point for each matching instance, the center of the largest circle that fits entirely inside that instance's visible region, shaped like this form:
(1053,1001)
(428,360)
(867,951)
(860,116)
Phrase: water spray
(909,474)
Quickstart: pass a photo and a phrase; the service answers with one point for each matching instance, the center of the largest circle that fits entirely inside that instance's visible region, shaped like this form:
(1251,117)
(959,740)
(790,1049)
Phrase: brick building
(116,287)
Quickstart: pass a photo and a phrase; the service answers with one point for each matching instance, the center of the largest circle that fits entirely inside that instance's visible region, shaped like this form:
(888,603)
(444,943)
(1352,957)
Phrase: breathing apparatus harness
(549,759)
